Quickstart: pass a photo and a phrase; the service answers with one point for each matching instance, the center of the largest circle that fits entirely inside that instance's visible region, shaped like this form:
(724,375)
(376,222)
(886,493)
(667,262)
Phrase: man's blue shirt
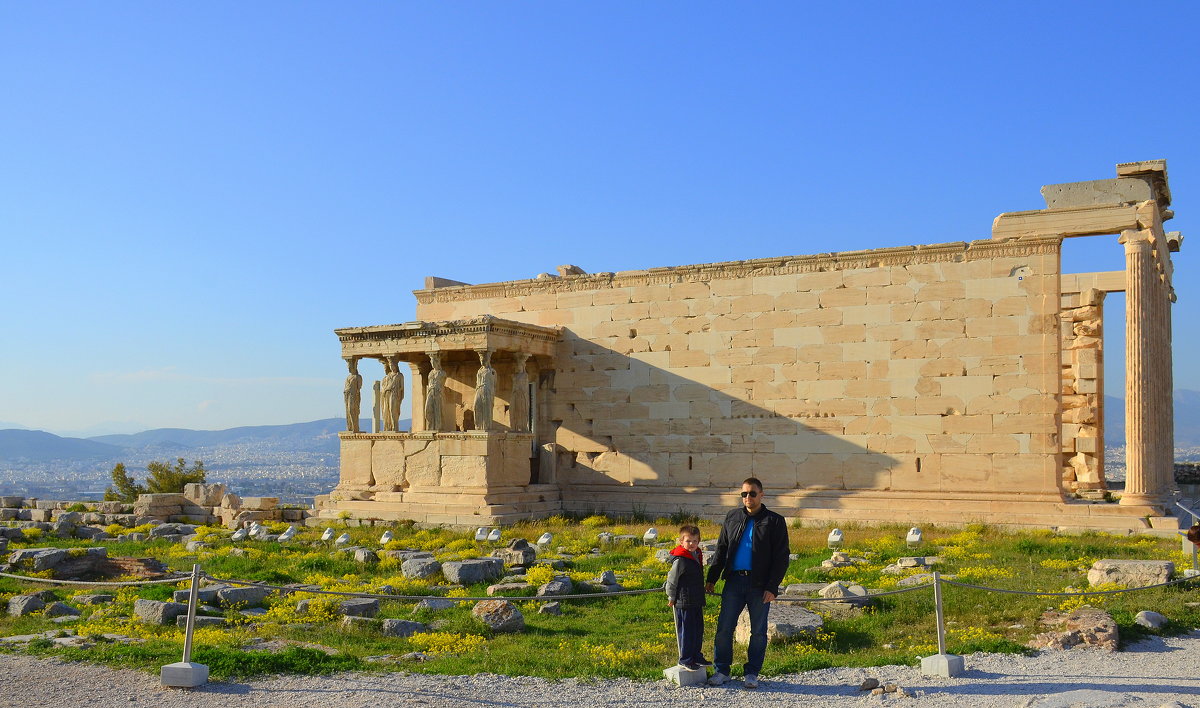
(741,557)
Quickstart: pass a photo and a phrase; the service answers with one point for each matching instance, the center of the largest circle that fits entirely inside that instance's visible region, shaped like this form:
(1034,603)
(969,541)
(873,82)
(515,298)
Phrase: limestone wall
(908,370)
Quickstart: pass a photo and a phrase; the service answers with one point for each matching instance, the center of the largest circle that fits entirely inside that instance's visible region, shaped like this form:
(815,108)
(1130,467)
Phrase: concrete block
(685,677)
(944,665)
(184,674)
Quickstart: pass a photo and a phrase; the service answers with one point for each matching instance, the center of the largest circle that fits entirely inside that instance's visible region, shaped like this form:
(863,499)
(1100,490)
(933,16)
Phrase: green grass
(608,637)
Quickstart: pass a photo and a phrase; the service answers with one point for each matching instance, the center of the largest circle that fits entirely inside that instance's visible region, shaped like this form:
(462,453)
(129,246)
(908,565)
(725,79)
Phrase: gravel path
(1152,673)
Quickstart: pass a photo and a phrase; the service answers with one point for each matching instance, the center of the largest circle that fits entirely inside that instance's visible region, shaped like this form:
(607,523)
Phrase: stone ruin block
(202,494)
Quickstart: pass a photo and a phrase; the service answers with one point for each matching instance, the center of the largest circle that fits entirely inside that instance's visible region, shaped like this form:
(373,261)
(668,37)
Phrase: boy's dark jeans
(689,631)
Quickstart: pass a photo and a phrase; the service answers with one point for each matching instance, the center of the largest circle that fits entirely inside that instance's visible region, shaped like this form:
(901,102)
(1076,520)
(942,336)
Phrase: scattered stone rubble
(1086,626)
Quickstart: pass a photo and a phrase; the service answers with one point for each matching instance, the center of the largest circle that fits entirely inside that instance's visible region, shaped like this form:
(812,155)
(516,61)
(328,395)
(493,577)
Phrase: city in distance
(293,462)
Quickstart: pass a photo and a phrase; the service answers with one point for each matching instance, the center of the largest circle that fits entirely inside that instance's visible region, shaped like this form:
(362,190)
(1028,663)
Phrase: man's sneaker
(718,679)
(751,681)
(692,666)
(704,662)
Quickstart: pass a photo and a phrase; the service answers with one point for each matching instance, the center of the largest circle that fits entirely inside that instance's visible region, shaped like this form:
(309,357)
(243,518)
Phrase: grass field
(607,637)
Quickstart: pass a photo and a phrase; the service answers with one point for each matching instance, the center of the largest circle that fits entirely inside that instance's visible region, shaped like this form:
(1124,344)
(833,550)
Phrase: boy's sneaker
(718,679)
(751,681)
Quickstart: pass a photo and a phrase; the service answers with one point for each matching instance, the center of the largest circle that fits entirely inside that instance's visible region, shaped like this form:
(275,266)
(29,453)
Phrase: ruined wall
(931,368)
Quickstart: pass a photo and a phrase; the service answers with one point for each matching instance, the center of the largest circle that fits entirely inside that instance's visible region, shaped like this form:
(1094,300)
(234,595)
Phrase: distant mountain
(40,446)
(1187,419)
(319,435)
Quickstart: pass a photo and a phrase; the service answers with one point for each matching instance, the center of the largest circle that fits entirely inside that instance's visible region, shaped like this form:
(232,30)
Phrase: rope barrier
(101,583)
(1081,593)
(411,598)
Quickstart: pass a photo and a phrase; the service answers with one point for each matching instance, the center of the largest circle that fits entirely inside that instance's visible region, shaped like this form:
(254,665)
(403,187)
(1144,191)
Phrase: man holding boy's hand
(752,556)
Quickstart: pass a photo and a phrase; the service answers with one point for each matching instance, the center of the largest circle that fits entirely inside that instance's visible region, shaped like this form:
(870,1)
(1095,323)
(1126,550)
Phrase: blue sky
(194,195)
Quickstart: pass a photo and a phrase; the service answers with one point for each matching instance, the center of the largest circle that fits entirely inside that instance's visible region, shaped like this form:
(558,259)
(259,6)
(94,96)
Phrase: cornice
(485,324)
(788,265)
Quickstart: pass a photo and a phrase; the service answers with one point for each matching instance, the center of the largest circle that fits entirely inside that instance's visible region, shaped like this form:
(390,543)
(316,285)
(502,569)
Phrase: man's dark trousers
(737,594)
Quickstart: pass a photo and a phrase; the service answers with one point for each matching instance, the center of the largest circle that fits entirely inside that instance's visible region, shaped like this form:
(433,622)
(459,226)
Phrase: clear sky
(194,195)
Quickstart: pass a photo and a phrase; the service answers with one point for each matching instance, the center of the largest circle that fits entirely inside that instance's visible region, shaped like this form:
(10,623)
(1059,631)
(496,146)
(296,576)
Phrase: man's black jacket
(768,548)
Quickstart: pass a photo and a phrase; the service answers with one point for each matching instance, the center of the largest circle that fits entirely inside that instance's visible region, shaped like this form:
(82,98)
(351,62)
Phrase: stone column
(1141,458)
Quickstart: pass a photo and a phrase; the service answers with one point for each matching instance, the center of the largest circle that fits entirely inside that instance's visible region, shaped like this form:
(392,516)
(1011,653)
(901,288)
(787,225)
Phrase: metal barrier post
(185,674)
(941,664)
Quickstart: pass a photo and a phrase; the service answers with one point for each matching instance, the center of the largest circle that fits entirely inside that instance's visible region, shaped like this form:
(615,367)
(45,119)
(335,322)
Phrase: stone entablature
(733,270)
(485,332)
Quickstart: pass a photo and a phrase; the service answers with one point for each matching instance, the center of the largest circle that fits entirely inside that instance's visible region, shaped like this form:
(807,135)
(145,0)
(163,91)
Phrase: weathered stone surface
(21,605)
(1086,626)
(156,612)
(241,595)
(1151,619)
(475,570)
(406,554)
(206,594)
(359,607)
(561,585)
(550,608)
(94,599)
(420,568)
(402,628)
(499,615)
(434,604)
(502,588)
(37,559)
(518,552)
(798,589)
(60,609)
(850,592)
(784,621)
(1130,573)
(365,555)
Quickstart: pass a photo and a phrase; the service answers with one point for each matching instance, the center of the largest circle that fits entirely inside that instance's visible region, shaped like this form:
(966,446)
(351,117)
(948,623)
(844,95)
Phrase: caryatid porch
(473,453)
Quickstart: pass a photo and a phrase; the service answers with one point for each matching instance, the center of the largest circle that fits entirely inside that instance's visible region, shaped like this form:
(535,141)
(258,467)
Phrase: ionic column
(1141,479)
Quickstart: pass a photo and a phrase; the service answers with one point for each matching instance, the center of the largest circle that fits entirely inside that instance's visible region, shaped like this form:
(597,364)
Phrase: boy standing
(685,593)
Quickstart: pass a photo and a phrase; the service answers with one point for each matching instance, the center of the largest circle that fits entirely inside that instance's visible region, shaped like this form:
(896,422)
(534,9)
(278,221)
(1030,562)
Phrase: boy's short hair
(689,530)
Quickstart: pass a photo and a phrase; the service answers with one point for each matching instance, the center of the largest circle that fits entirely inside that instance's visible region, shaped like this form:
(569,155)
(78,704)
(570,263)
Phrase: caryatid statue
(434,393)
(485,390)
(353,394)
(518,407)
(392,394)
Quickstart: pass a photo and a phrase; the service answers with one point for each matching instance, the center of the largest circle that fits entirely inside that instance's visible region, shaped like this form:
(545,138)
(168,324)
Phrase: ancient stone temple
(953,383)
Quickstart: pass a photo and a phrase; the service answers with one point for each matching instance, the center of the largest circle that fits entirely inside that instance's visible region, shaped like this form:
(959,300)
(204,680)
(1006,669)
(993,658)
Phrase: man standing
(752,556)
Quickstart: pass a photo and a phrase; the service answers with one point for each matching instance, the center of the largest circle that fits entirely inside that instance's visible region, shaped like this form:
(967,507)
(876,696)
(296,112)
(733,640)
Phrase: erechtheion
(947,383)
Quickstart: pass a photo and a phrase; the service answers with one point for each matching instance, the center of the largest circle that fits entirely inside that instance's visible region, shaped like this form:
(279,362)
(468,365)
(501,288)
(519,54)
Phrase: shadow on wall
(709,422)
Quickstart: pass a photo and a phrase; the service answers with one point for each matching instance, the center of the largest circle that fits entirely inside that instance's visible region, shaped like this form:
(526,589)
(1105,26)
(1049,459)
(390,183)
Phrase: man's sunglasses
(749,494)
